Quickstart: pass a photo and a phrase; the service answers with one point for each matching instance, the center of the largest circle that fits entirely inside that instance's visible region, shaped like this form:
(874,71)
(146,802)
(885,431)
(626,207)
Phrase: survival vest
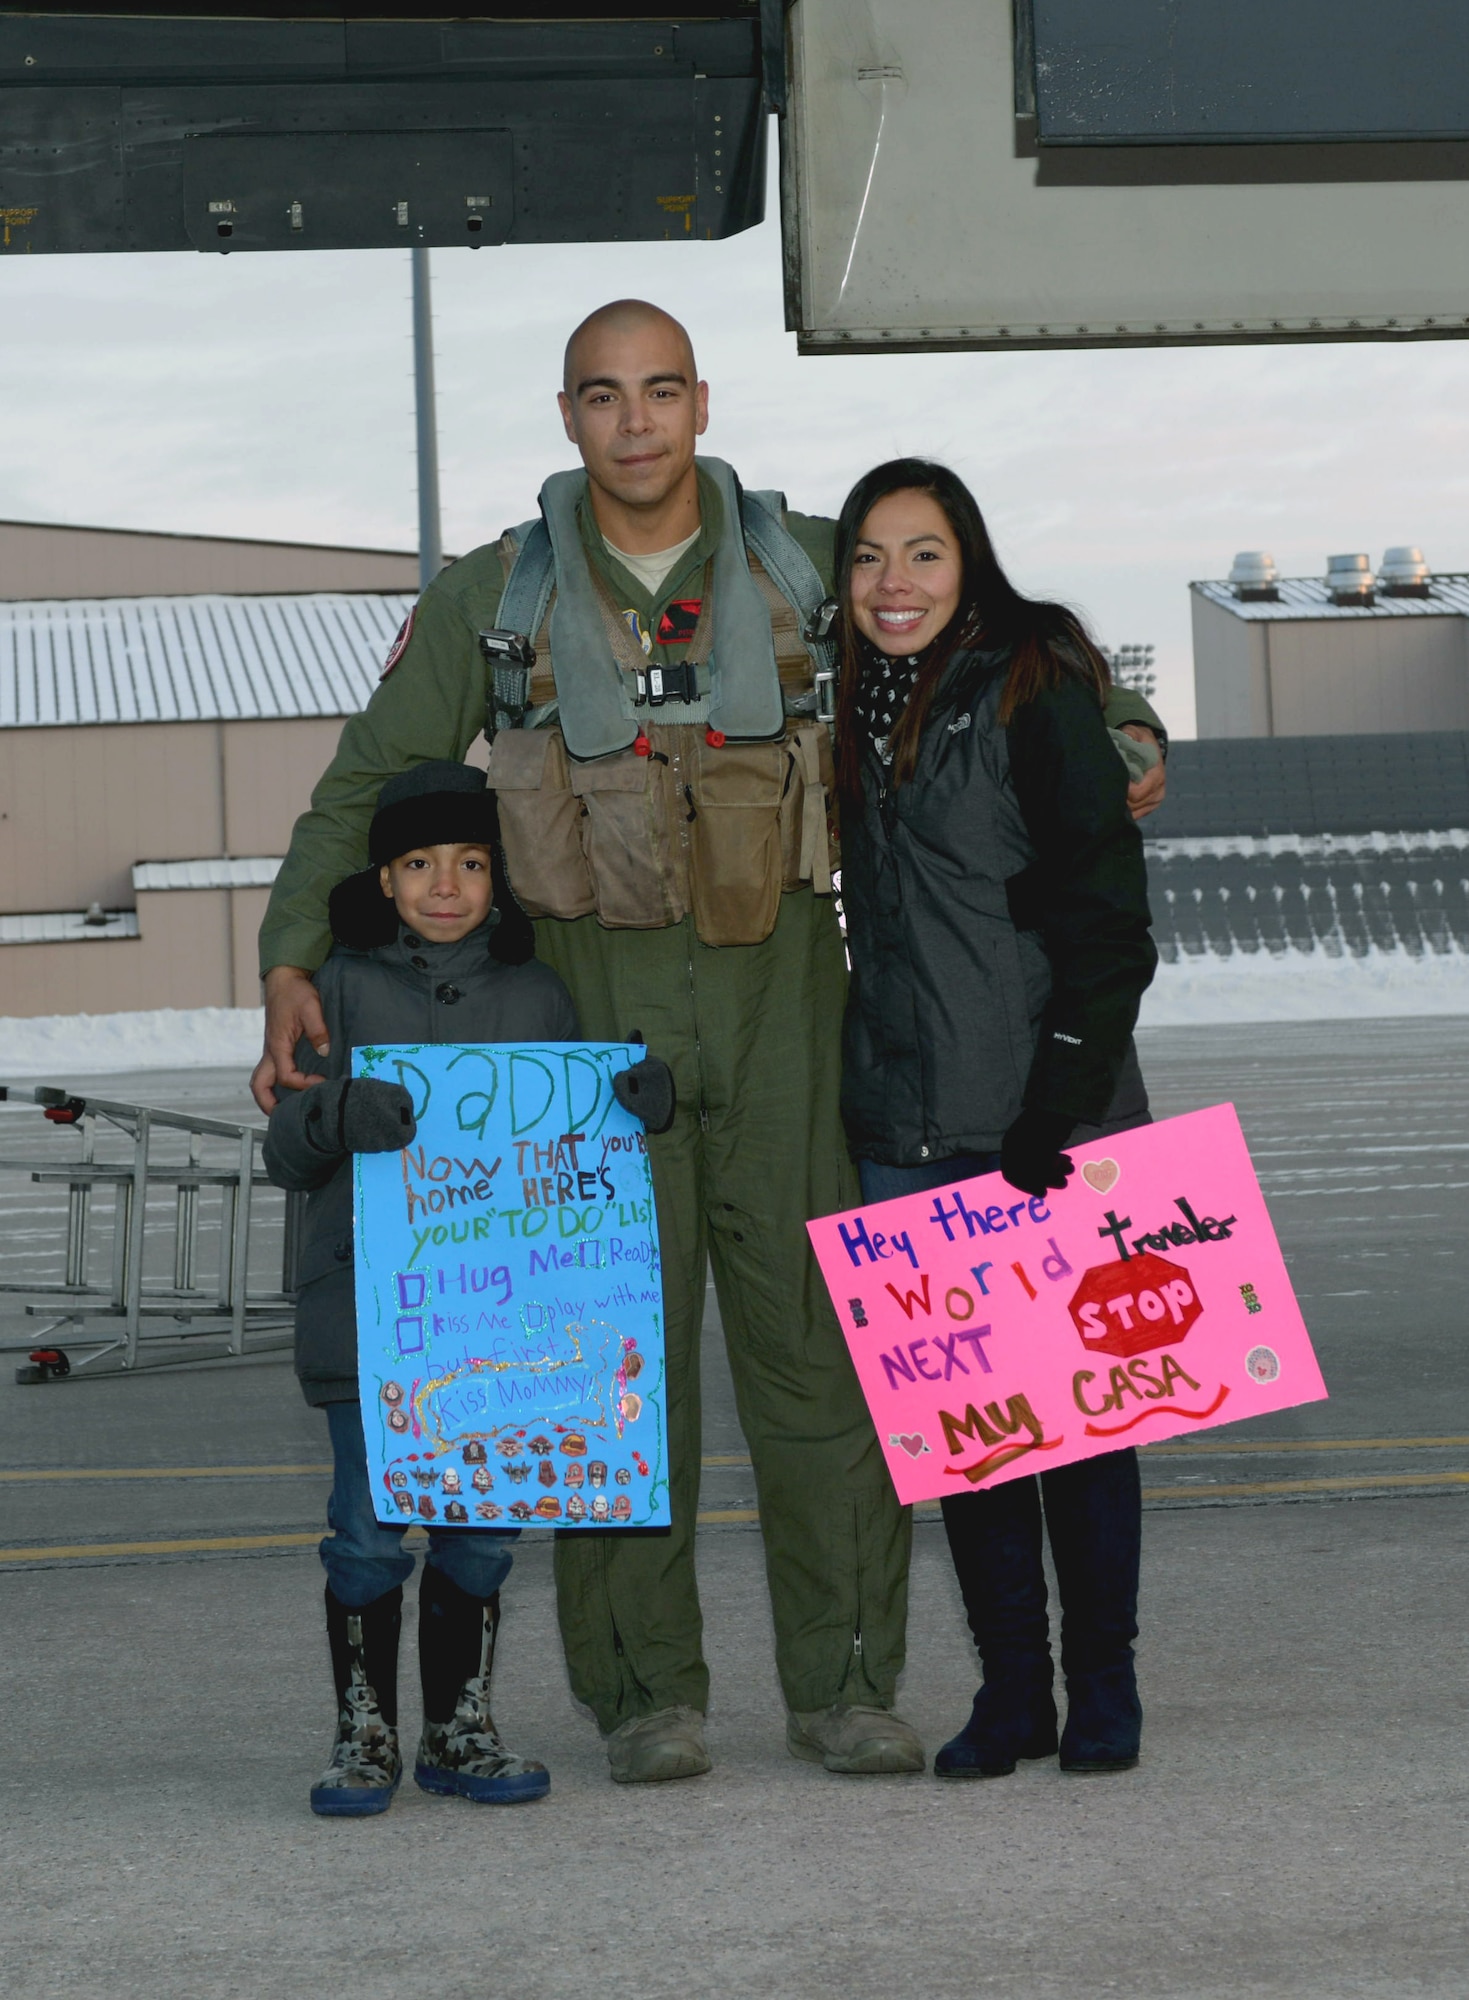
(609,806)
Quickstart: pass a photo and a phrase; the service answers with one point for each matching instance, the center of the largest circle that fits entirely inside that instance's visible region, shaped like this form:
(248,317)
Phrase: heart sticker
(1101,1175)
(913,1442)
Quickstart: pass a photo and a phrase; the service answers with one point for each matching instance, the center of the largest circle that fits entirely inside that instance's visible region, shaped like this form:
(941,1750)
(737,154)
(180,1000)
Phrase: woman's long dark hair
(1046,641)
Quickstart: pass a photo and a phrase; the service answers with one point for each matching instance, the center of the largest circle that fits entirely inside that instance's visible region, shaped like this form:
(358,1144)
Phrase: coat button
(411,941)
(421,963)
(448,994)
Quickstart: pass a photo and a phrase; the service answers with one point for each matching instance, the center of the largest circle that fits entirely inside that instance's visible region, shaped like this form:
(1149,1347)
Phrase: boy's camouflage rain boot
(460,1749)
(365,1768)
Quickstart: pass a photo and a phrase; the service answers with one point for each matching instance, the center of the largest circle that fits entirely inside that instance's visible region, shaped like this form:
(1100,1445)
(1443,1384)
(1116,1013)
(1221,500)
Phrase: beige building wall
(197,949)
(1368,676)
(269,772)
(79,806)
(1231,672)
(1347,676)
(41,561)
(247,913)
(101,976)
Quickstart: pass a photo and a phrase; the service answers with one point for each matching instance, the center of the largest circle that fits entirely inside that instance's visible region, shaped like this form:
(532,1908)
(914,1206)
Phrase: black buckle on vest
(677,683)
(511,659)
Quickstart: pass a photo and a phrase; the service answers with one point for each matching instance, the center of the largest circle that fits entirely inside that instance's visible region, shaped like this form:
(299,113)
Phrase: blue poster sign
(510,1294)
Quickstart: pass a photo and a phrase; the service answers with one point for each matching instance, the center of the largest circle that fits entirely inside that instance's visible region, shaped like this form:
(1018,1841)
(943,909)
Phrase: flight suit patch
(677,625)
(400,644)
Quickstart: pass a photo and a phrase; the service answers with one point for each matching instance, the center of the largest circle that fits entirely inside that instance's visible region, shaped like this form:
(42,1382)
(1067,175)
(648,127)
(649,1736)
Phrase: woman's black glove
(646,1090)
(1030,1152)
(360,1114)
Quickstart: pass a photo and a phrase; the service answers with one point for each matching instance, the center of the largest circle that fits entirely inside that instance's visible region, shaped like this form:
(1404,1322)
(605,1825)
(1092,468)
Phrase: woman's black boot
(995,1540)
(365,1765)
(1094,1518)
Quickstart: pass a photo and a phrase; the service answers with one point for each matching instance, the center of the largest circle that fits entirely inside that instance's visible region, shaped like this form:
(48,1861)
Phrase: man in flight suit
(669,829)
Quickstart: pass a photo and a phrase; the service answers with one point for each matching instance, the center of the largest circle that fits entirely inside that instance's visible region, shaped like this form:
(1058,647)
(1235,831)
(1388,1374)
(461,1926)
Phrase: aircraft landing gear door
(306,190)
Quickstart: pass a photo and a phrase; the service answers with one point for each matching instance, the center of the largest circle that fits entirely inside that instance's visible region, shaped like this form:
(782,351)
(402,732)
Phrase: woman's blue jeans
(364,1558)
(1093,1514)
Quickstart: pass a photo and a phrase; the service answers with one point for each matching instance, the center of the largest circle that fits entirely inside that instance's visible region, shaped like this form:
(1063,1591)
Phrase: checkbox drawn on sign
(913,1442)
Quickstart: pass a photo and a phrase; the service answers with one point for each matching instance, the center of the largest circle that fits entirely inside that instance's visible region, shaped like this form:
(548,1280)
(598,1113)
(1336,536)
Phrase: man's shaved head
(634,407)
(623,317)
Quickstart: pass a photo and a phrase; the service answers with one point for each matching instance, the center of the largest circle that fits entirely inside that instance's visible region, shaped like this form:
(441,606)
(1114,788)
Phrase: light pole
(430,538)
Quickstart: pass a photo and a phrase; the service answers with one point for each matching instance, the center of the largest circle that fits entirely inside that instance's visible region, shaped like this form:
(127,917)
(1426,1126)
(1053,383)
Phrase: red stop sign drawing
(1127,1307)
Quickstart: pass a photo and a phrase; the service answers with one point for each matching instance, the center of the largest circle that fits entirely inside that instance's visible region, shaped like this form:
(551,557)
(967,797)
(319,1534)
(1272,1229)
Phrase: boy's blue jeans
(364,1558)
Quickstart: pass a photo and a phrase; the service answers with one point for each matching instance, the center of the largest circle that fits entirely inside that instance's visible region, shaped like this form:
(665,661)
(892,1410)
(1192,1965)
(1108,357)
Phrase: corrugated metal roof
(66,927)
(1307,597)
(256,872)
(192,659)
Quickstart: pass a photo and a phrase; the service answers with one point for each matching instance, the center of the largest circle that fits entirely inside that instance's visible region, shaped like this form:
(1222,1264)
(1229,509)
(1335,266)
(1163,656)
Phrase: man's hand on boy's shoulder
(292,1014)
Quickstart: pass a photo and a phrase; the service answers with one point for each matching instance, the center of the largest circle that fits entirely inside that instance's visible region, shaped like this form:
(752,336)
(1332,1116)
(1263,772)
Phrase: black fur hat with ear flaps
(432,804)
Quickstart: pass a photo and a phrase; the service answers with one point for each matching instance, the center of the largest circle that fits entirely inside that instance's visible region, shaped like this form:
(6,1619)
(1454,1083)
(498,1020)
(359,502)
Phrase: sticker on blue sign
(510,1294)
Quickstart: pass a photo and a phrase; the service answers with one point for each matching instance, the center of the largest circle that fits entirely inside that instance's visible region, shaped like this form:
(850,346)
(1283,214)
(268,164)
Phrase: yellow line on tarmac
(165,1472)
(238,1544)
(1283,1447)
(1368,1483)
(235,1544)
(195,1545)
(18,1477)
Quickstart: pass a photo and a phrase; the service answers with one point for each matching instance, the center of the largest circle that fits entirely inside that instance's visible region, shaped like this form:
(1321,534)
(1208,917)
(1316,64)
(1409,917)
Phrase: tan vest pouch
(805,816)
(738,869)
(540,823)
(625,842)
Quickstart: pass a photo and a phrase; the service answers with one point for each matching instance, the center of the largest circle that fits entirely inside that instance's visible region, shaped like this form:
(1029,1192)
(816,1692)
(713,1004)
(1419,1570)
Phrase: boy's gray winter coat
(406,991)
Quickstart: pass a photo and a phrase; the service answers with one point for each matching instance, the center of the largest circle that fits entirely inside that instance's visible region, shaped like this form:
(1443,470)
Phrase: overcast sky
(273,395)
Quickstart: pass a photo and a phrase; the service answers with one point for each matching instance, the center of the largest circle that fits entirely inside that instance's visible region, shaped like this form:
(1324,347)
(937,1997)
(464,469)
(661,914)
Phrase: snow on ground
(1247,986)
(55,1047)
(1305,986)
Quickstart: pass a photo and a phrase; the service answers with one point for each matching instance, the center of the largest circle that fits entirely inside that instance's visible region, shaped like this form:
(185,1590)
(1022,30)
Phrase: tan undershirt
(652,571)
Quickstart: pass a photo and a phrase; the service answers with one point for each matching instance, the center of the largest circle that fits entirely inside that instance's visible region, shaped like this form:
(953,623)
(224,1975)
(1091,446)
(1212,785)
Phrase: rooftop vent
(1404,573)
(1254,577)
(1349,580)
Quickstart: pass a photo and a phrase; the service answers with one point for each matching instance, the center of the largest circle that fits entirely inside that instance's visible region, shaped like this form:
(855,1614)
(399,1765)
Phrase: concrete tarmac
(1297,1826)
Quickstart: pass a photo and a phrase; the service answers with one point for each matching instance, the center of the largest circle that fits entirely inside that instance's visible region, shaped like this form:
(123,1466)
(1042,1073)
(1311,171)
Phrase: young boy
(430,947)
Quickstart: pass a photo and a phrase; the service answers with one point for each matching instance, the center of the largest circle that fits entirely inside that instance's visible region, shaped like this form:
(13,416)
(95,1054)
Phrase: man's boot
(649,1749)
(1094,1517)
(460,1749)
(365,1767)
(995,1540)
(855,1740)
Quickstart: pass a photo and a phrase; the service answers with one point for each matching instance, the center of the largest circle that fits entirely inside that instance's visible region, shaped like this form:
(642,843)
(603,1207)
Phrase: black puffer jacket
(997,920)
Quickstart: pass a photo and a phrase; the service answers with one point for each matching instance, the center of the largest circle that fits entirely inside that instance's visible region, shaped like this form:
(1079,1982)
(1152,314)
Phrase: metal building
(154,752)
(1353,652)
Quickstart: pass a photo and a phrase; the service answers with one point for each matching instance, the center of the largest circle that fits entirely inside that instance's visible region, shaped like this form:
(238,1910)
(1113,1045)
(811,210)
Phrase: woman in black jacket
(998,926)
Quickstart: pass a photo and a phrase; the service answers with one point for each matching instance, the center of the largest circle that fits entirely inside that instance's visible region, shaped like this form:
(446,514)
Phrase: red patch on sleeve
(400,644)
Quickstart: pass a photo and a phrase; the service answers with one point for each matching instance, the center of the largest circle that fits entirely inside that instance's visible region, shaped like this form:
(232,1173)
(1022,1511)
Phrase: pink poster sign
(996,1336)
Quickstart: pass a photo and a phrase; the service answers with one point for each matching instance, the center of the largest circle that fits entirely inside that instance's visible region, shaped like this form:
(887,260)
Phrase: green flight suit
(752,1033)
